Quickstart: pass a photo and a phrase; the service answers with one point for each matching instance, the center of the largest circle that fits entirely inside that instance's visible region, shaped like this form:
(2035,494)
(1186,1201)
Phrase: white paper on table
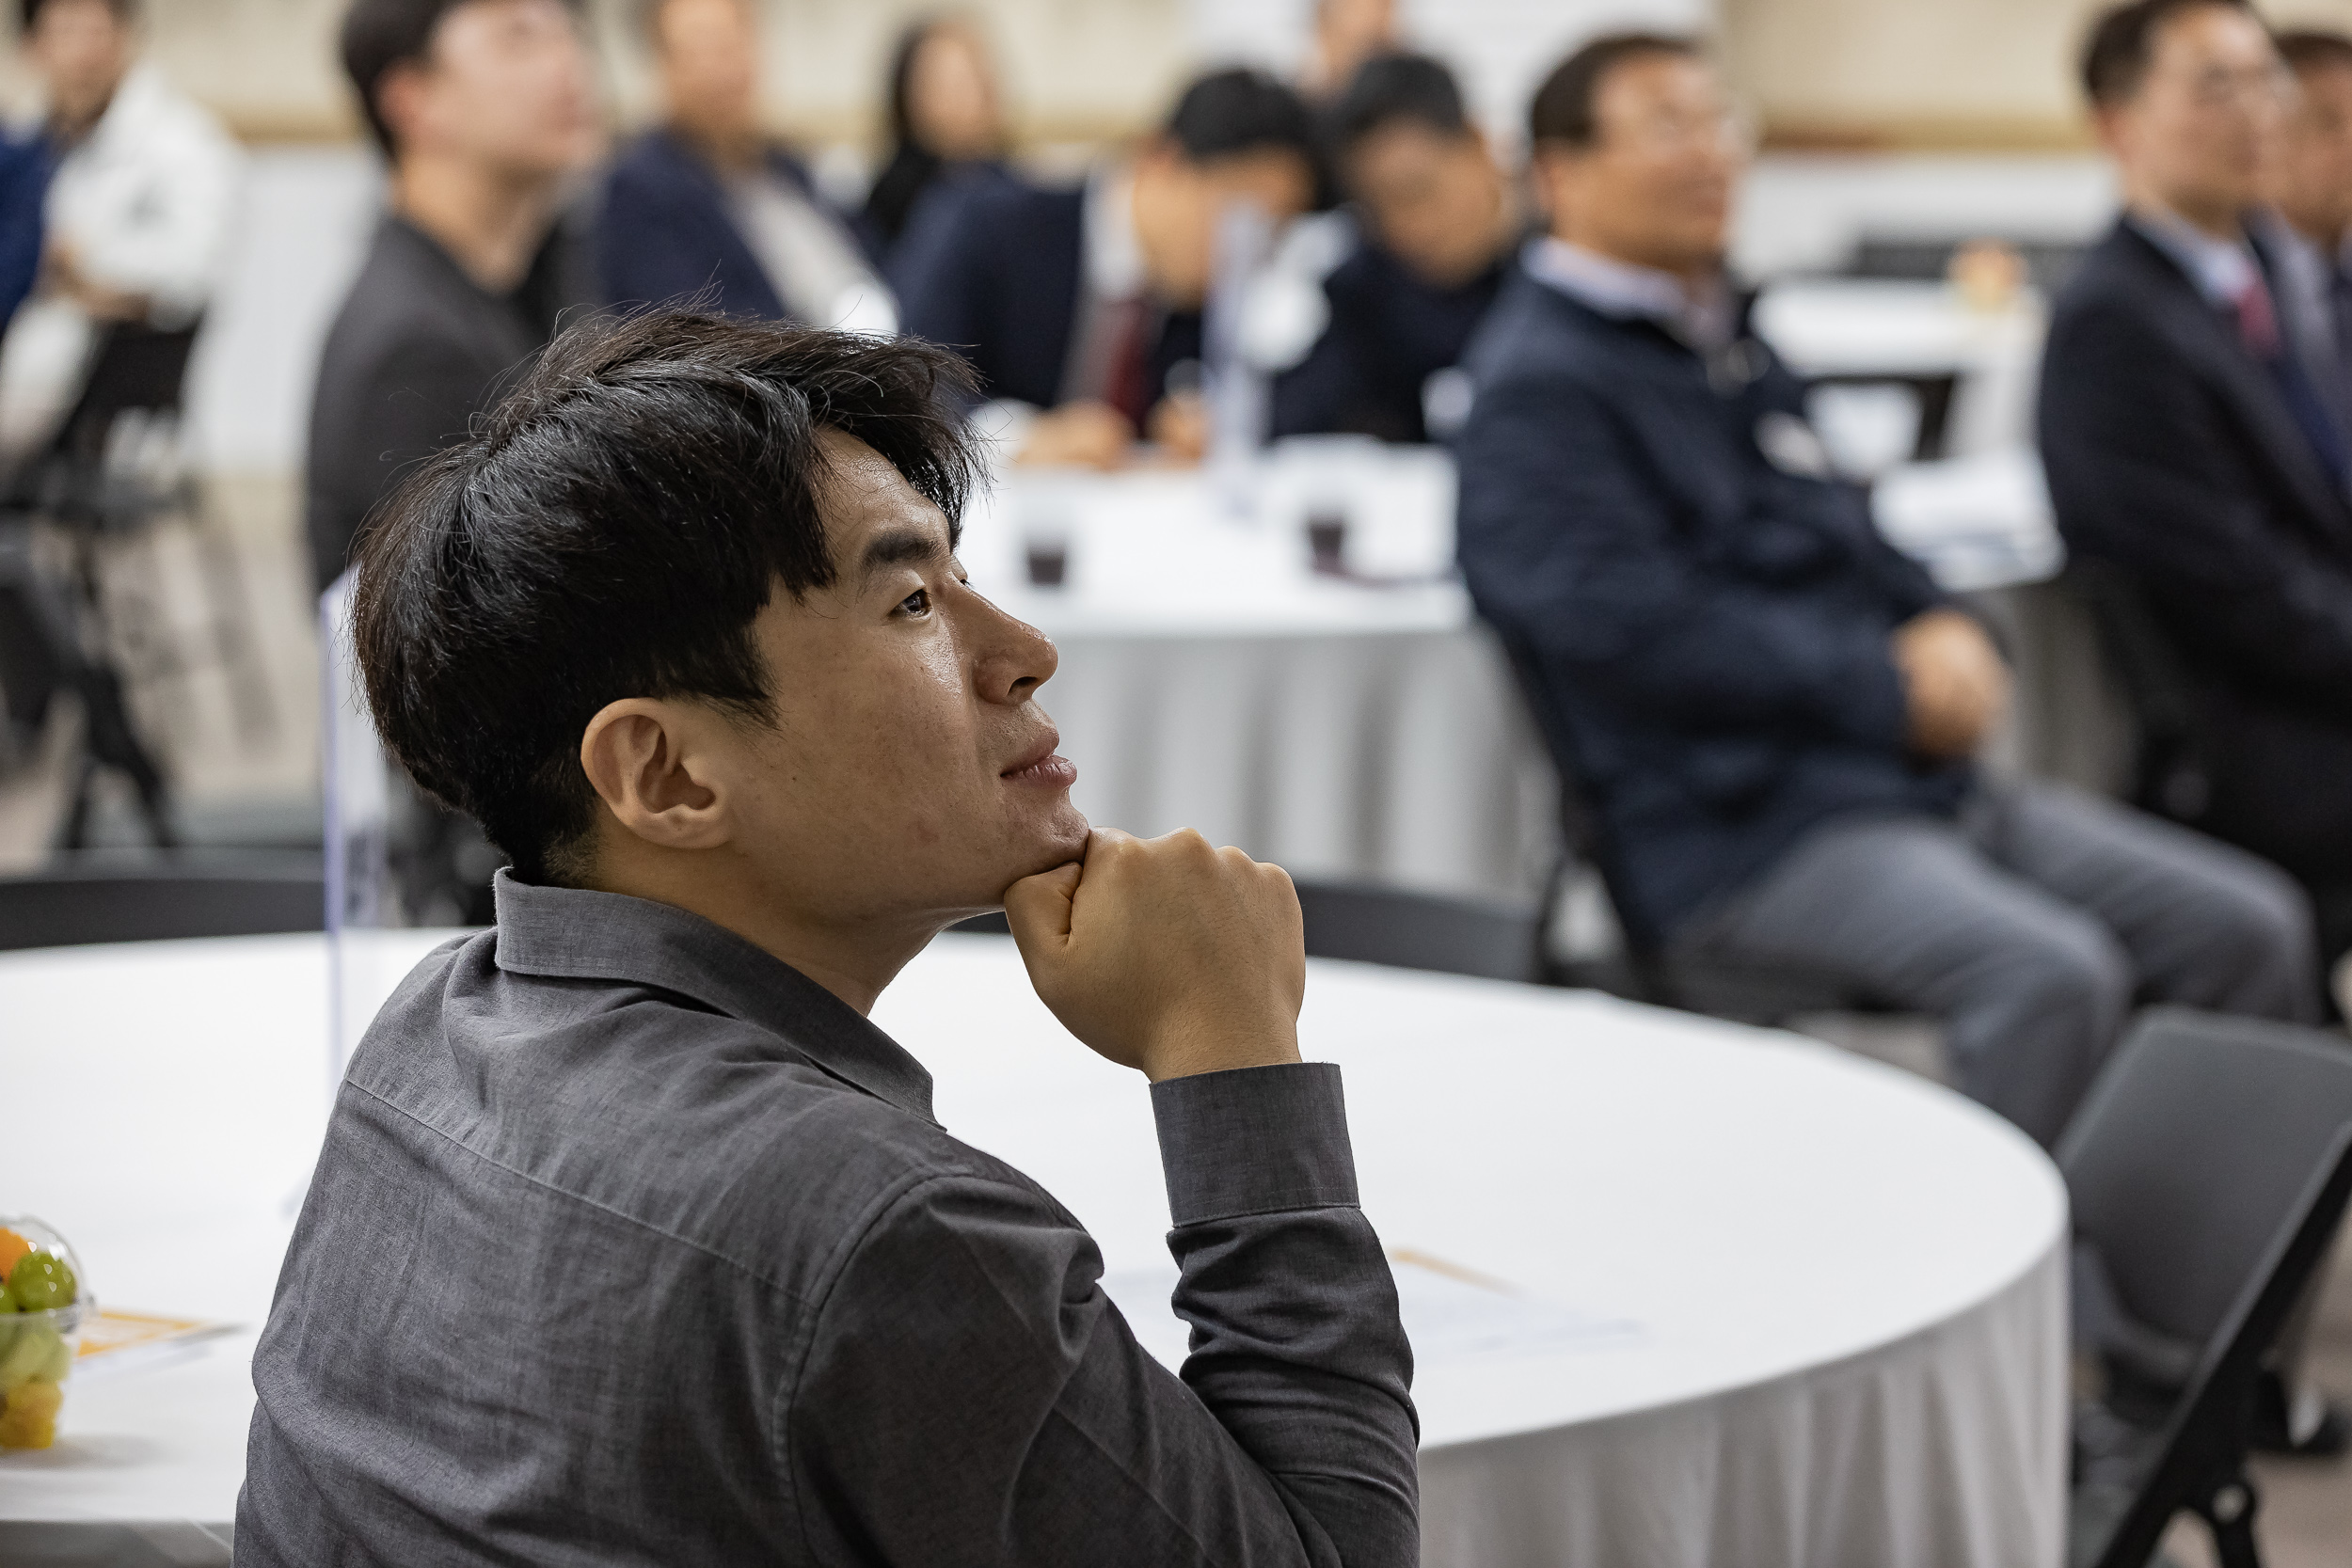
(1447,1317)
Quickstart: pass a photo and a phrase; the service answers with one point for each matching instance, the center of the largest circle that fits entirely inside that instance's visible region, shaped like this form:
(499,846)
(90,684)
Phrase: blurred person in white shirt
(138,213)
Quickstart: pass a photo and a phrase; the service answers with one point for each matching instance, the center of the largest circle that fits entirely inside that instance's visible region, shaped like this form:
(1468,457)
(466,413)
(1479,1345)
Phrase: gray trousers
(2028,928)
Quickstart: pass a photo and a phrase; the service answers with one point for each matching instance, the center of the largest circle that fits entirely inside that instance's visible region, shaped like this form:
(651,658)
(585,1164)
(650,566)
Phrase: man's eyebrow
(901,547)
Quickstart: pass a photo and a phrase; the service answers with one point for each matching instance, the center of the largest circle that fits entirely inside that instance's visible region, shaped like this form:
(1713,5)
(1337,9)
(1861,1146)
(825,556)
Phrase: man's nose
(1016,658)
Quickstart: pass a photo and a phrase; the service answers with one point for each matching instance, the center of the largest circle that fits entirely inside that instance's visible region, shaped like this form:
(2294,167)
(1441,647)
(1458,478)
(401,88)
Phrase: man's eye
(916,603)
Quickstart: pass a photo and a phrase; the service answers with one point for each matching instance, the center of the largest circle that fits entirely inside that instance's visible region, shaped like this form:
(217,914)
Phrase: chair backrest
(136,369)
(1491,939)
(2200,1134)
(2200,1457)
(158,902)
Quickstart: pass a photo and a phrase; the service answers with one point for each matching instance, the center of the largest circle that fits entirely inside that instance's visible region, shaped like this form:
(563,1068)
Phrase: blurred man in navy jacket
(1772,711)
(2189,449)
(1081,309)
(704,201)
(1441,227)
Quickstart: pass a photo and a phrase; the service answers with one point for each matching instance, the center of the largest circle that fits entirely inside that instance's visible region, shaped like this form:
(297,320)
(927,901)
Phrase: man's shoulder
(643,1104)
(2123,273)
(399,309)
(1533,335)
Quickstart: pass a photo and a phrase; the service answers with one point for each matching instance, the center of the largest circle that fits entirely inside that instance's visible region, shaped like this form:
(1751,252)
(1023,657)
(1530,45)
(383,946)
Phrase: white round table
(1682,1293)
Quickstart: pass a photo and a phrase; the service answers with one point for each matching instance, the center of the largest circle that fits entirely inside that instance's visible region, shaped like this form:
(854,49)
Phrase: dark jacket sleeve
(2145,474)
(972,1397)
(24,188)
(1572,548)
(947,277)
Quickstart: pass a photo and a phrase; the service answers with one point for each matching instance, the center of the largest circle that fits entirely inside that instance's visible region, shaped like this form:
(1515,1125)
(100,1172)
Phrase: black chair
(162,901)
(2048,262)
(2207,1175)
(1490,939)
(1935,392)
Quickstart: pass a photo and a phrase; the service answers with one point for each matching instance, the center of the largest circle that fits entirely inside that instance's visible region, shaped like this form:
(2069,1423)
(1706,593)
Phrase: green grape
(37,1355)
(42,1282)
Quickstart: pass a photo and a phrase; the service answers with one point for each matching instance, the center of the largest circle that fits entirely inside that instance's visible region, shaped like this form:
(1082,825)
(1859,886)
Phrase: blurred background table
(1745,1299)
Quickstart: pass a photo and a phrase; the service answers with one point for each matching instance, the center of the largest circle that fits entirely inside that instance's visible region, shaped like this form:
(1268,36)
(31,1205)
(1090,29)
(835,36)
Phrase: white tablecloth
(1349,730)
(1763,1303)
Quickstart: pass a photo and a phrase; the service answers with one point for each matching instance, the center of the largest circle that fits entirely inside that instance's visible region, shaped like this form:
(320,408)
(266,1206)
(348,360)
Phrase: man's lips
(1043,766)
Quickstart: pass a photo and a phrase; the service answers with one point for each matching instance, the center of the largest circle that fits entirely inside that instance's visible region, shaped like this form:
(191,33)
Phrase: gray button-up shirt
(630,1245)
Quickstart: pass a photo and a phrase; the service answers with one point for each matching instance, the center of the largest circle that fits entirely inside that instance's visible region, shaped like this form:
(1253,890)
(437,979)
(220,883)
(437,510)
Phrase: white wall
(1804,212)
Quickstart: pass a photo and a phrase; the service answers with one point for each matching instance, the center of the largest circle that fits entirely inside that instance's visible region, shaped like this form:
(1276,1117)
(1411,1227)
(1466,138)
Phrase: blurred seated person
(484,109)
(2191,450)
(705,201)
(1080,309)
(2306,232)
(138,207)
(1771,712)
(1346,34)
(1442,228)
(948,130)
(700,1277)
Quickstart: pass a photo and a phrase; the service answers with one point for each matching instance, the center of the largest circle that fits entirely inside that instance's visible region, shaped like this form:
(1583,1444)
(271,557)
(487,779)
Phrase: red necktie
(2257,319)
(1126,372)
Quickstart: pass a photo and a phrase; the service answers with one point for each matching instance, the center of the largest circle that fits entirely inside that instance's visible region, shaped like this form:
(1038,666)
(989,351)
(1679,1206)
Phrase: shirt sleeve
(972,1397)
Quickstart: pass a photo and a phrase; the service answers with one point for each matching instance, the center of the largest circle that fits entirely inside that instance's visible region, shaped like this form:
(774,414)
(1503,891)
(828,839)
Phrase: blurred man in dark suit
(706,201)
(1081,307)
(2193,452)
(2307,232)
(484,108)
(1771,712)
(1441,225)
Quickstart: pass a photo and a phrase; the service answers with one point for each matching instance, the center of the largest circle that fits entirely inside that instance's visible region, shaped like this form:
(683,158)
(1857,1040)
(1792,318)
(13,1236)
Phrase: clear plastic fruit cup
(40,1272)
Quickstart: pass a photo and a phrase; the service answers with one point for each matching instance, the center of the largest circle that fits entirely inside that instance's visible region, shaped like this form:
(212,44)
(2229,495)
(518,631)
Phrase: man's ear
(399,99)
(651,763)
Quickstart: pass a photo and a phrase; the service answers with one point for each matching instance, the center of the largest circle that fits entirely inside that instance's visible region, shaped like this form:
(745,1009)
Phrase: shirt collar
(1628,292)
(1114,252)
(2220,269)
(570,933)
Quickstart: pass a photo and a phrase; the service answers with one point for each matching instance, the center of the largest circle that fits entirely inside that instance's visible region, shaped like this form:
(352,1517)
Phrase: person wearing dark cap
(1774,715)
(2191,450)
(1080,309)
(1440,229)
(485,108)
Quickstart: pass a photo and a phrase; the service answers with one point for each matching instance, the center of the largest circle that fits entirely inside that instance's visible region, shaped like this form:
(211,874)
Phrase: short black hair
(609,529)
(2315,49)
(381,35)
(2122,42)
(1564,107)
(1228,113)
(28,11)
(1387,88)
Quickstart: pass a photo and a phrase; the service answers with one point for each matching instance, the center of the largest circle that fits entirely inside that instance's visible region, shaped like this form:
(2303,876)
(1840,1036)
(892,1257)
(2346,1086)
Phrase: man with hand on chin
(633,1240)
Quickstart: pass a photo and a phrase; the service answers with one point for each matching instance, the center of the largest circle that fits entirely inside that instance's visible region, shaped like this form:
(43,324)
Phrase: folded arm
(972,1397)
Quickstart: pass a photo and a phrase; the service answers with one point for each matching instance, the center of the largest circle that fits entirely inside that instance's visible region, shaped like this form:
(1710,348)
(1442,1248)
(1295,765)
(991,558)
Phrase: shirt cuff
(1254,1141)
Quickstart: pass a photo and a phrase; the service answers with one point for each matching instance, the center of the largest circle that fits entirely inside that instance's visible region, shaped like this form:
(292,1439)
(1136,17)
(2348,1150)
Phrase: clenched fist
(1954,682)
(1167,954)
